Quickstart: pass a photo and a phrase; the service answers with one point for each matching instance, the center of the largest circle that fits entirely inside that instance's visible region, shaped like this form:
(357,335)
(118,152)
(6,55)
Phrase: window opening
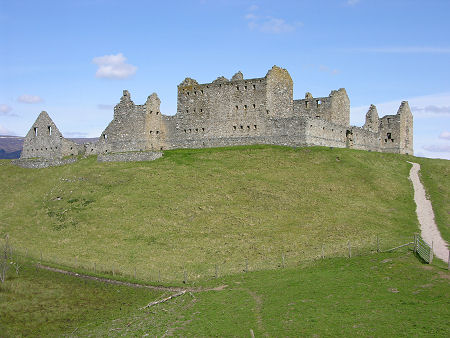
(49,130)
(35,131)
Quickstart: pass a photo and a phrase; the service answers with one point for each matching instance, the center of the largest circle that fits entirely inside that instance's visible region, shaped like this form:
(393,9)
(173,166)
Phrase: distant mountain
(11,146)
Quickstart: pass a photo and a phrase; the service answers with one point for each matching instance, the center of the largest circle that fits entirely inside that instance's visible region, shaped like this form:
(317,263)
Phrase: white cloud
(432,110)
(445,135)
(5,110)
(113,67)
(268,24)
(437,148)
(25,98)
(352,2)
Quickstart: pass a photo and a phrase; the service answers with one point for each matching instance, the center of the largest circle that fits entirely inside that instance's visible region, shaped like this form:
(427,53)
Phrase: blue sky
(74,58)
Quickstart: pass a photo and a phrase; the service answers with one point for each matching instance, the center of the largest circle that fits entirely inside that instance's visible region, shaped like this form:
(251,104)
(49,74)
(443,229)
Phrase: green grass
(44,303)
(435,175)
(194,209)
(381,295)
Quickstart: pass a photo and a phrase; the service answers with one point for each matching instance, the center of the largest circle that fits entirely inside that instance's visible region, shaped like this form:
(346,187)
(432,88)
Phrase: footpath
(428,228)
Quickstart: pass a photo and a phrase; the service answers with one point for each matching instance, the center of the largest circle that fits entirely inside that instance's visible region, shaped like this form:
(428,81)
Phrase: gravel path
(430,232)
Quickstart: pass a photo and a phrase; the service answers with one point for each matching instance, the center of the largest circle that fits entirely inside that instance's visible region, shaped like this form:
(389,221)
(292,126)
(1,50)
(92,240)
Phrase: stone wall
(38,163)
(335,108)
(44,140)
(129,156)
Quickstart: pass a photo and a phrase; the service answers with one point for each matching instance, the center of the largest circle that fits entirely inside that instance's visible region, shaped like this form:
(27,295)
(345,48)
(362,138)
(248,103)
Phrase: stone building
(243,112)
(44,140)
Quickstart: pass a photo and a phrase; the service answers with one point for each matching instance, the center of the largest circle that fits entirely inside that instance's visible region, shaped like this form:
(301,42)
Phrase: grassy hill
(193,210)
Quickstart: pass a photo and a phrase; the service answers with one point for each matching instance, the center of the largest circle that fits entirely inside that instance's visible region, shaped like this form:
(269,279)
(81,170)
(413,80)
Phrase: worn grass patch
(195,209)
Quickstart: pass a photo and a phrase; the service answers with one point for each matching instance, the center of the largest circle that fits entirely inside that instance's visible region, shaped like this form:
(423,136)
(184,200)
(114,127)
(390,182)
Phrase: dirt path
(134,285)
(429,230)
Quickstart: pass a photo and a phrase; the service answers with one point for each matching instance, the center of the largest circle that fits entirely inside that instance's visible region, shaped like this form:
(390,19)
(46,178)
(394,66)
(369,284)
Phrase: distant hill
(11,146)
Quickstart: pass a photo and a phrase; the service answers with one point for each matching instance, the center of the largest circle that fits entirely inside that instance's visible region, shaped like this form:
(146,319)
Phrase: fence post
(41,256)
(282,260)
(349,250)
(323,252)
(95,267)
(378,243)
(448,260)
(431,252)
(216,272)
(113,270)
(184,277)
(134,272)
(159,275)
(415,243)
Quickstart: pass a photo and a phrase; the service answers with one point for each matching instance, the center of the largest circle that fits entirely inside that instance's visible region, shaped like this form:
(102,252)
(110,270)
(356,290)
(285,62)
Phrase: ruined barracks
(232,112)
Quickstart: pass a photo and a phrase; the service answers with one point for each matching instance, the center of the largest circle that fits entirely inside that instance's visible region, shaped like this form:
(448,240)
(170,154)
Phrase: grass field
(381,295)
(195,209)
(43,303)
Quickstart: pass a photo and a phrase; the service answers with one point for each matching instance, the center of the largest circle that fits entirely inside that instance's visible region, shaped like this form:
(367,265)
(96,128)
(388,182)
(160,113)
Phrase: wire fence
(161,272)
(423,249)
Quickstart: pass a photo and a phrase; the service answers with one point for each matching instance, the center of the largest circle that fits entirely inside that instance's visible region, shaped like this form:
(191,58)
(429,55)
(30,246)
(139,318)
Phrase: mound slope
(193,210)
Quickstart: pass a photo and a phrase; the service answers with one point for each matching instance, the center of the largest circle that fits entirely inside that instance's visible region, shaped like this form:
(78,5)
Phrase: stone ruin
(231,112)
